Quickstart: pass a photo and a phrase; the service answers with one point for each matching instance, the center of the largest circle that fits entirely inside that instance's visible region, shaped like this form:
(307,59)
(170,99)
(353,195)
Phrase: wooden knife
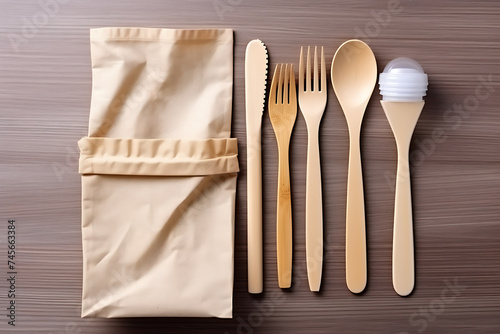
(255,94)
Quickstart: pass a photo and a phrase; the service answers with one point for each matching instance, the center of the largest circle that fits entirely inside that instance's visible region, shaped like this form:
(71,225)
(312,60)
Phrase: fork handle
(284,219)
(355,252)
(314,212)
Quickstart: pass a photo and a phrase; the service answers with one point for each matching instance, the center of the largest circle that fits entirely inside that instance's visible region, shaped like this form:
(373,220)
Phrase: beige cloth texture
(159,174)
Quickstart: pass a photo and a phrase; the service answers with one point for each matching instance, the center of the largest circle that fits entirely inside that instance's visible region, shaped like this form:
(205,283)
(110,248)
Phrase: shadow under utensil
(295,169)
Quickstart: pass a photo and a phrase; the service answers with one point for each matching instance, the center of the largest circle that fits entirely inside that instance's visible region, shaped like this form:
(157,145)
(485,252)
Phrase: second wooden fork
(283,111)
(312,101)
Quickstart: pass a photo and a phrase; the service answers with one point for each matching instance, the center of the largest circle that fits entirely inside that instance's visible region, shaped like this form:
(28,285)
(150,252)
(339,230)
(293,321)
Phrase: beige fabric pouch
(159,175)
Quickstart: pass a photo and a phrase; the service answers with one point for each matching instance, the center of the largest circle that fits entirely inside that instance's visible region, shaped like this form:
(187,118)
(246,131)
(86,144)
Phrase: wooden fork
(312,101)
(283,111)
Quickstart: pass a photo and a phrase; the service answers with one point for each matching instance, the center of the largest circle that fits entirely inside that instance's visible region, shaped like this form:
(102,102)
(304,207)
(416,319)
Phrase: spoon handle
(284,219)
(314,212)
(403,269)
(355,252)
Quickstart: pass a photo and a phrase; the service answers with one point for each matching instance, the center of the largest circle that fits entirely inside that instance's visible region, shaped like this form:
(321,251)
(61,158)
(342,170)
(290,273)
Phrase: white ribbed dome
(403,80)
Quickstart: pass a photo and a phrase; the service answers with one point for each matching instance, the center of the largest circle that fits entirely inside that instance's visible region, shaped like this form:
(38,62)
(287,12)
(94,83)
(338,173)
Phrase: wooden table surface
(45,86)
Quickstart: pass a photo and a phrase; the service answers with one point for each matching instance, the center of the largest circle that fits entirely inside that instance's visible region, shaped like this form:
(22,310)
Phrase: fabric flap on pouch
(155,157)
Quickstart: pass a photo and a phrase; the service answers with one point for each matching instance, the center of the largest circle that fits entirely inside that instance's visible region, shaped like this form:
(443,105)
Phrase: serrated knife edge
(256,60)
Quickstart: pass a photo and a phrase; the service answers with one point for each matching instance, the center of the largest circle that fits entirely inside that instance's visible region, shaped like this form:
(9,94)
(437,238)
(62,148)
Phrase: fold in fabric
(175,157)
(161,83)
(159,173)
(155,34)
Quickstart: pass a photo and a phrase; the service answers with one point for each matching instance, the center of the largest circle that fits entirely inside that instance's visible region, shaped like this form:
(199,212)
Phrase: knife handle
(254,209)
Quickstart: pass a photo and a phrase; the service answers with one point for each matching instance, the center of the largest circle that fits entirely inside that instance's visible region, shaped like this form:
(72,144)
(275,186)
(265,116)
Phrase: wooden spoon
(354,74)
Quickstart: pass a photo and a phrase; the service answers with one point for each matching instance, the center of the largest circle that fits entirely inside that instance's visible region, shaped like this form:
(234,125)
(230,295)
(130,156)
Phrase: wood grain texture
(282,107)
(45,94)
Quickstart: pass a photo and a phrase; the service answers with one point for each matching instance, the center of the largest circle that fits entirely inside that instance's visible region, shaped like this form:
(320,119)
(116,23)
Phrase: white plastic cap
(403,80)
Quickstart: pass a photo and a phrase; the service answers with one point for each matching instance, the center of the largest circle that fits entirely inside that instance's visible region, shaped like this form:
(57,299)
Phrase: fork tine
(285,85)
(316,79)
(308,68)
(274,86)
(301,70)
(280,85)
(293,92)
(323,72)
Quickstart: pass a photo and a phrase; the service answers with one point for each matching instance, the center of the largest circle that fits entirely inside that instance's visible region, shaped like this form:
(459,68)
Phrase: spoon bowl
(354,75)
